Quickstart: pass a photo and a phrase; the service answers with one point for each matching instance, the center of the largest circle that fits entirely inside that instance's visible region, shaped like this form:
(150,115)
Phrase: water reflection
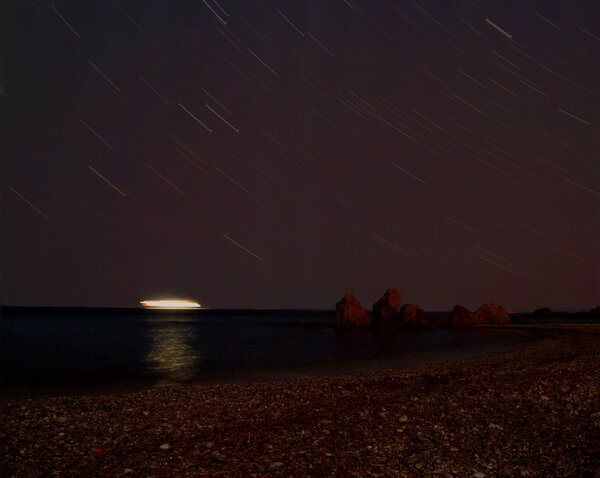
(170,354)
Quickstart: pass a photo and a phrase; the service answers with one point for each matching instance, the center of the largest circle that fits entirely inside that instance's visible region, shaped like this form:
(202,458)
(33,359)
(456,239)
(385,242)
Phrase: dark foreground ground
(530,413)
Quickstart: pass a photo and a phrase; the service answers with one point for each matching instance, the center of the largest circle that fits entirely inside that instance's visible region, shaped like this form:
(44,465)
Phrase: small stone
(478,474)
(165,446)
(544,397)
(276,464)
(209,444)
(127,470)
(403,418)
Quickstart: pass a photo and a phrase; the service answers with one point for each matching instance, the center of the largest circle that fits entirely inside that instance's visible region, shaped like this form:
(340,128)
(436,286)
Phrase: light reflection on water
(170,352)
(96,352)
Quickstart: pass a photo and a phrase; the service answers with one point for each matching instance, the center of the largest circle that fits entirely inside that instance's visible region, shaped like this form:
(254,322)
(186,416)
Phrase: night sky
(278,154)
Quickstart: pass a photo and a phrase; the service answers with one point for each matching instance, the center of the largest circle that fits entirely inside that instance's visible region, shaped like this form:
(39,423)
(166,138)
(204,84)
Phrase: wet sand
(534,412)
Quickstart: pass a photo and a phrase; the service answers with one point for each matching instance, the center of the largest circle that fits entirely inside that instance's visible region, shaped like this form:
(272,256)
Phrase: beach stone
(349,312)
(413,316)
(543,312)
(478,474)
(386,308)
(461,317)
(492,314)
(165,446)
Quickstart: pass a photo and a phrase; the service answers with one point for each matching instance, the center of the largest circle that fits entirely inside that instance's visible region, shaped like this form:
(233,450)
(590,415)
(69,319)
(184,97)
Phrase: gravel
(534,412)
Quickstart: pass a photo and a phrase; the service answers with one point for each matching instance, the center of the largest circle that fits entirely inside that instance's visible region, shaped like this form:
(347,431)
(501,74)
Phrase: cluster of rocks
(546,313)
(387,313)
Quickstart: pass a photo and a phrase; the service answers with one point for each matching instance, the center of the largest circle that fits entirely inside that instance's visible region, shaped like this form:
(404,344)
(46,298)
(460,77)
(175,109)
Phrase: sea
(59,352)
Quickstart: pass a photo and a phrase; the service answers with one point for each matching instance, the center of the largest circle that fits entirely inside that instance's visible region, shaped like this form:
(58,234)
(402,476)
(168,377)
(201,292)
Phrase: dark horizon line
(227,311)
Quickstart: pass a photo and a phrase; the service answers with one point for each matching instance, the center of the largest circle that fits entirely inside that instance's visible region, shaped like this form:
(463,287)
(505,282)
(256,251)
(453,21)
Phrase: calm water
(95,351)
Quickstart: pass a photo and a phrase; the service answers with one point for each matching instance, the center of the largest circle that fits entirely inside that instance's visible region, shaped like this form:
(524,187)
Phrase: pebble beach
(534,412)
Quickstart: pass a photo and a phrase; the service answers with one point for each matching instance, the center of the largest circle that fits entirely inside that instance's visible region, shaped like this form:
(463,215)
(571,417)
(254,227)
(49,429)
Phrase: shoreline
(530,412)
(502,341)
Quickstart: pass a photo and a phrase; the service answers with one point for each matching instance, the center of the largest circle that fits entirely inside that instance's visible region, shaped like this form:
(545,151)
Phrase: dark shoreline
(533,412)
(508,340)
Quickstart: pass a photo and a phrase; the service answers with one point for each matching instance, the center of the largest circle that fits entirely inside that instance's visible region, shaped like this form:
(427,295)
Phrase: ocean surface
(46,352)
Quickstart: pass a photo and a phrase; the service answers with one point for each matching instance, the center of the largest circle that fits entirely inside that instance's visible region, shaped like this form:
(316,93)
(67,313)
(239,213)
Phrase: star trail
(280,154)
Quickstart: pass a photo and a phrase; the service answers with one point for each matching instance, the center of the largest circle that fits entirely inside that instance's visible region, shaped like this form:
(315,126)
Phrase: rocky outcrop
(349,313)
(543,312)
(492,314)
(461,317)
(386,308)
(413,316)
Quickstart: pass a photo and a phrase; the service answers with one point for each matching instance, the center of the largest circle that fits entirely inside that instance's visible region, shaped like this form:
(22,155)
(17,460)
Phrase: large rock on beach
(349,313)
(386,308)
(492,314)
(413,316)
(544,312)
(461,317)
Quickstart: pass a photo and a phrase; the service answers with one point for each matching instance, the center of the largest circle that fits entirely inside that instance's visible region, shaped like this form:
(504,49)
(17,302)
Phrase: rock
(386,308)
(595,312)
(543,312)
(437,322)
(492,314)
(165,446)
(462,317)
(349,312)
(413,316)
(563,313)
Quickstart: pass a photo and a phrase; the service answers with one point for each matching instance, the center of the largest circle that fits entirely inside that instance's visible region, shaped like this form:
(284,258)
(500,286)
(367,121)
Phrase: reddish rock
(543,312)
(386,308)
(349,312)
(492,314)
(462,317)
(413,316)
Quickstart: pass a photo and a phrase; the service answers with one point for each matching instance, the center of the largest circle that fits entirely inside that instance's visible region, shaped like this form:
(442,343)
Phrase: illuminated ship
(170,304)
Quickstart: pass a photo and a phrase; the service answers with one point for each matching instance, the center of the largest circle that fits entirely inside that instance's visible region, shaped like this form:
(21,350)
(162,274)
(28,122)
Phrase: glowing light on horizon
(170,304)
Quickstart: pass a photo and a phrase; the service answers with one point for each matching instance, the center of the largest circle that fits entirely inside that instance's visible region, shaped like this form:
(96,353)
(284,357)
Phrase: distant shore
(534,412)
